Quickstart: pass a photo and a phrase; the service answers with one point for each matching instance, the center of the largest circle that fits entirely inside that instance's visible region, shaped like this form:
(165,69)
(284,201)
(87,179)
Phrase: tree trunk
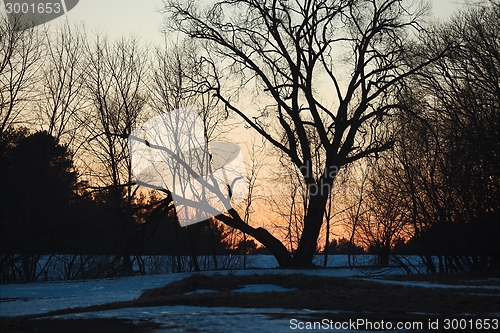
(312,227)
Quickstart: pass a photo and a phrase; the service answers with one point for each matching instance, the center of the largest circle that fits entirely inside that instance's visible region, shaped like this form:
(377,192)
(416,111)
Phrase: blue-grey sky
(120,17)
(140,17)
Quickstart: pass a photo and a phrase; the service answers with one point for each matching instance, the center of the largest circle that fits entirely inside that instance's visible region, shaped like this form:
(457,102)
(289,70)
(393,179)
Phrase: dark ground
(350,295)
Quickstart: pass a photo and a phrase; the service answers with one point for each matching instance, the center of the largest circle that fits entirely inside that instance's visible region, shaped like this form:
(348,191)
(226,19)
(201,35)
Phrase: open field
(273,299)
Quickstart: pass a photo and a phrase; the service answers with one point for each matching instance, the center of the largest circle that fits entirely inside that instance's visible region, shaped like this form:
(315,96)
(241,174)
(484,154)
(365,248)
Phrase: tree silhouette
(279,49)
(21,54)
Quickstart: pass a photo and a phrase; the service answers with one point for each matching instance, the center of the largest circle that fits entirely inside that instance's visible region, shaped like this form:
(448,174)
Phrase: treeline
(68,102)
(438,187)
(47,210)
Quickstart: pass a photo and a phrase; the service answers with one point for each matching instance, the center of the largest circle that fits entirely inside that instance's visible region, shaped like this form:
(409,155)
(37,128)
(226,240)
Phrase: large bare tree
(327,67)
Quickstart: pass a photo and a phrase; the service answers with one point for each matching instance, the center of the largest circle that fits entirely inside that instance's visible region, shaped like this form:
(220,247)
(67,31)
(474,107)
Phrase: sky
(120,17)
(141,17)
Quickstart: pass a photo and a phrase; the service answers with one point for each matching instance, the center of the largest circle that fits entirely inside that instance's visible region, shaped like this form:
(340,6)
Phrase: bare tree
(173,84)
(115,88)
(21,53)
(256,154)
(334,212)
(63,78)
(354,200)
(387,218)
(288,199)
(280,48)
(448,151)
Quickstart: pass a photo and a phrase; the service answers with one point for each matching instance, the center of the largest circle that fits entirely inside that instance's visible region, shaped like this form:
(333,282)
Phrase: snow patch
(41,297)
(262,288)
(432,285)
(182,318)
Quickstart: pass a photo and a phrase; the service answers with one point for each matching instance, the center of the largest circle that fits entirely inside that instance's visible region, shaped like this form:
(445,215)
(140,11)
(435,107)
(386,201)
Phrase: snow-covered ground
(41,297)
(36,298)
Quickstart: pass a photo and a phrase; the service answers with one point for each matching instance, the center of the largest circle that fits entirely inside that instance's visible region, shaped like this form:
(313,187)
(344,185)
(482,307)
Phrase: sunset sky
(117,18)
(141,18)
